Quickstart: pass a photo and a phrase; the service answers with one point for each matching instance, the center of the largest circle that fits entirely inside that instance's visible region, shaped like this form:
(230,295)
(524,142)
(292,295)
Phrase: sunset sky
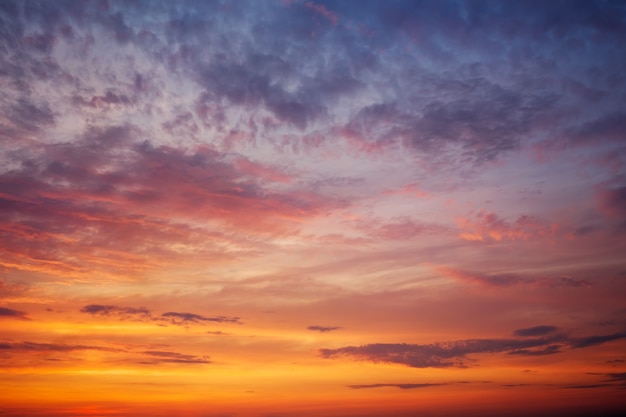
(308,208)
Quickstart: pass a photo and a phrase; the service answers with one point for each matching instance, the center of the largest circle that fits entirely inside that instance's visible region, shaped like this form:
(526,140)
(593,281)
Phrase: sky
(312,208)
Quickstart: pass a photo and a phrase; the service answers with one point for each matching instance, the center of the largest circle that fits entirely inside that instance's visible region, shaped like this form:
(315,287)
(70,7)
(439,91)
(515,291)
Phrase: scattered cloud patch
(13,314)
(175,357)
(185,318)
(535,331)
(143,314)
(54,347)
(455,353)
(583,342)
(400,386)
(323,329)
(110,310)
(489,227)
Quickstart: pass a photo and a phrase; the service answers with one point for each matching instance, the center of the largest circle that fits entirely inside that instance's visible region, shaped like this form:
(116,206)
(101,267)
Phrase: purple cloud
(185,318)
(401,386)
(106,310)
(13,314)
(455,353)
(535,331)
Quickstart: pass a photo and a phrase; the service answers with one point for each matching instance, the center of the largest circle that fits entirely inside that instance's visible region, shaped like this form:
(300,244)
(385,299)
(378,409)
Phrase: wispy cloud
(186,318)
(173,357)
(110,310)
(54,347)
(535,331)
(323,329)
(13,314)
(488,226)
(401,386)
(124,354)
(143,314)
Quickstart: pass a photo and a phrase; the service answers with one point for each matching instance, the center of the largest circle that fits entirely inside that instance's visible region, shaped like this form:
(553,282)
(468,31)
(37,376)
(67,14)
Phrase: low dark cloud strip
(401,386)
(143,314)
(323,329)
(455,353)
(13,314)
(535,331)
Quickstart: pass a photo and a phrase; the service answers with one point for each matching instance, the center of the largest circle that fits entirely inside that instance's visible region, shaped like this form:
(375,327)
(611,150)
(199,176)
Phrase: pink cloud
(488,226)
(255,169)
(323,11)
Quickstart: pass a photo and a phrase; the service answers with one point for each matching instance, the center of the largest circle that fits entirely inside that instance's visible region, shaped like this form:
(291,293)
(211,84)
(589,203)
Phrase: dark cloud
(174,357)
(436,355)
(583,342)
(401,386)
(143,314)
(185,318)
(106,310)
(487,121)
(548,350)
(511,279)
(613,202)
(616,377)
(54,347)
(535,331)
(29,116)
(323,329)
(13,314)
(455,353)
(608,128)
(572,282)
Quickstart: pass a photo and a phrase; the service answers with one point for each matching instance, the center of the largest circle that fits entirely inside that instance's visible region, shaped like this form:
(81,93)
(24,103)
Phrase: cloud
(436,355)
(535,331)
(607,128)
(185,318)
(89,198)
(218,333)
(489,227)
(548,350)
(583,342)
(173,357)
(323,329)
(616,377)
(21,350)
(143,314)
(106,310)
(322,11)
(497,280)
(572,282)
(511,279)
(401,386)
(455,353)
(590,386)
(54,347)
(612,201)
(404,229)
(13,314)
